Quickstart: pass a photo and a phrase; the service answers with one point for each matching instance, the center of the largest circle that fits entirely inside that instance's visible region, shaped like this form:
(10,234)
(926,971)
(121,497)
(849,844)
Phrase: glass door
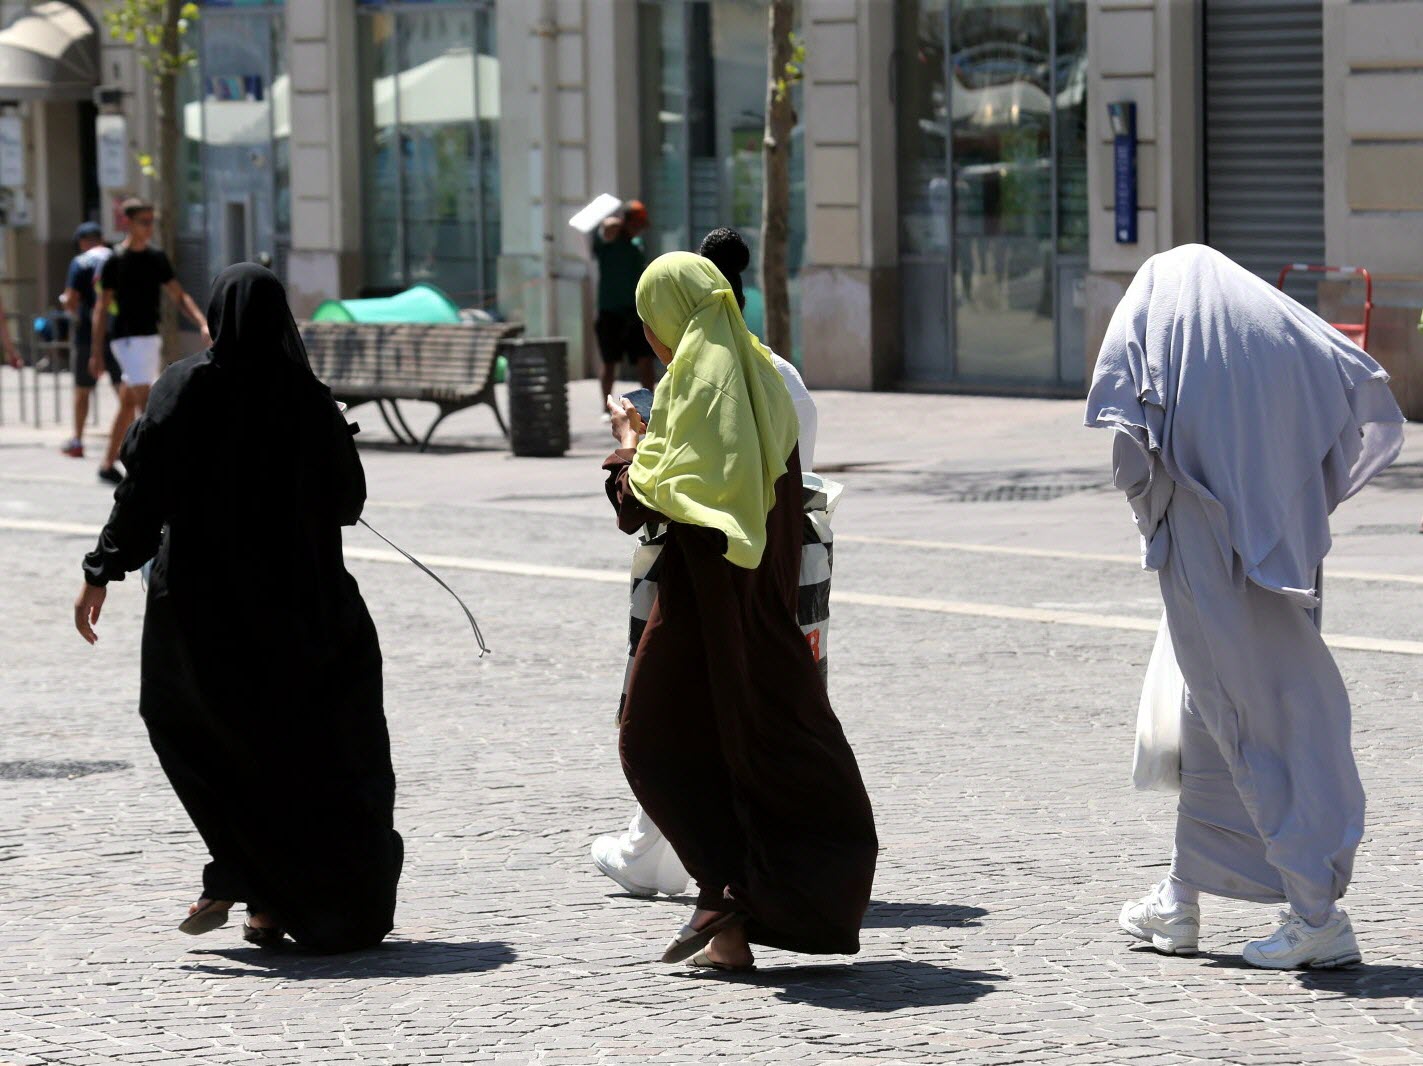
(1000,80)
(992,116)
(703,98)
(925,193)
(240,109)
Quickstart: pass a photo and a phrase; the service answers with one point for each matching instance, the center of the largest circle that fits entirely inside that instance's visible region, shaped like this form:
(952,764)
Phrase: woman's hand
(86,611)
(627,423)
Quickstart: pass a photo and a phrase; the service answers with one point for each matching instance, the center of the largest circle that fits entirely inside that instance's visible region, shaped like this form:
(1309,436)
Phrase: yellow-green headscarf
(722,424)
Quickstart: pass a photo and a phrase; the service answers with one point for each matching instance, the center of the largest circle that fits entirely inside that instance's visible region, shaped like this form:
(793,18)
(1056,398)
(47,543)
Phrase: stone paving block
(997,754)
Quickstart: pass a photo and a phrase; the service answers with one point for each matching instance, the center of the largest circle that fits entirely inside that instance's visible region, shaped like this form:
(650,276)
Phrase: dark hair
(725,248)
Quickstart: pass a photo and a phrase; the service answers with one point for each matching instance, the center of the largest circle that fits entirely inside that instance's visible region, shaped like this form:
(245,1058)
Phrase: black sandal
(264,936)
(210,916)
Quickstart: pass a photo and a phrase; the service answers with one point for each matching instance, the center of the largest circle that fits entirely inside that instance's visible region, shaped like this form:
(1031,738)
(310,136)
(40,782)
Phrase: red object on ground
(1358,332)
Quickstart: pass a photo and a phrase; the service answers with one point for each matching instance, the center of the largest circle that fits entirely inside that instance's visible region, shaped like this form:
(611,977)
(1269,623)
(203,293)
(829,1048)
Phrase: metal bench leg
(400,417)
(445,412)
(493,406)
(400,438)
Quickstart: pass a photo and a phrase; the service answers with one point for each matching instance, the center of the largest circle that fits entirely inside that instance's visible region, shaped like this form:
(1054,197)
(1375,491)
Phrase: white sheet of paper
(588,218)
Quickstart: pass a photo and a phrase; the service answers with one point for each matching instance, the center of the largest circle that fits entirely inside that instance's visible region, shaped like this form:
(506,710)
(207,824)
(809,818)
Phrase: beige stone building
(953,193)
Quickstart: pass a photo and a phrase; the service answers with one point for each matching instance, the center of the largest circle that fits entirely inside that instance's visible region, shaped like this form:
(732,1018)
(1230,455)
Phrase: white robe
(1243,420)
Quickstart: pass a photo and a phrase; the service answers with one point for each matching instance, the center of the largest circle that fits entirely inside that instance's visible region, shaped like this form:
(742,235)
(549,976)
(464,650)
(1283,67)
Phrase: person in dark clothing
(618,248)
(261,671)
(78,299)
(724,694)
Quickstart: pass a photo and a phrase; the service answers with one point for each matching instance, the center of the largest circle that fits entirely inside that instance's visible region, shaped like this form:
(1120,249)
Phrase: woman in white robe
(1242,420)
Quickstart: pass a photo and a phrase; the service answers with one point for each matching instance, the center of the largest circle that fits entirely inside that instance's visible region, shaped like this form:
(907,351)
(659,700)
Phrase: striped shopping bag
(819,499)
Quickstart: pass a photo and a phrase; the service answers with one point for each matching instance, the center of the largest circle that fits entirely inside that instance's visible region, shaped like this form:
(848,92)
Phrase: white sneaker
(1171,932)
(1297,945)
(608,857)
(657,863)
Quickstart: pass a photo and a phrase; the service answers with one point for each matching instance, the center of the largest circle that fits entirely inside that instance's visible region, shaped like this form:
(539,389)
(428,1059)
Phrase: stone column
(58,200)
(1146,52)
(849,299)
(325,259)
(1373,179)
(590,148)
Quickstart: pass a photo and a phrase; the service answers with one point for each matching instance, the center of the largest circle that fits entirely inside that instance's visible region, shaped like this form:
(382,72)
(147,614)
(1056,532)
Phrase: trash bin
(538,396)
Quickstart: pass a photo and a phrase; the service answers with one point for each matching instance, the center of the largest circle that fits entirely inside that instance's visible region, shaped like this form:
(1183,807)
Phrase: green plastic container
(421,303)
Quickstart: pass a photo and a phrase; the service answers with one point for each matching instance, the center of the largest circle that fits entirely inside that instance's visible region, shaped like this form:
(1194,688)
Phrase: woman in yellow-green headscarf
(728,739)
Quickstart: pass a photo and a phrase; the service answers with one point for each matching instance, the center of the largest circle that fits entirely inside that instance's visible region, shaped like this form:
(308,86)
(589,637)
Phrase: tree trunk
(167,163)
(776,185)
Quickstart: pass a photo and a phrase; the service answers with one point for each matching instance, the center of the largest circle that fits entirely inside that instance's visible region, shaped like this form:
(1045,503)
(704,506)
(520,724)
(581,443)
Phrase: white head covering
(1250,401)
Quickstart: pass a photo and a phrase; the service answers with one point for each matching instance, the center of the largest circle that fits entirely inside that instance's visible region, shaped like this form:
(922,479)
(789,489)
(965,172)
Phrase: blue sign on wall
(1123,116)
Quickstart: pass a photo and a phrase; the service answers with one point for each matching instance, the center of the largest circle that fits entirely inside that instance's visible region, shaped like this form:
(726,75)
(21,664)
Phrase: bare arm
(100,336)
(189,308)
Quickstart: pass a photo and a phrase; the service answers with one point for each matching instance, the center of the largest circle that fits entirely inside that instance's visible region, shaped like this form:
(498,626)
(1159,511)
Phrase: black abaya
(261,671)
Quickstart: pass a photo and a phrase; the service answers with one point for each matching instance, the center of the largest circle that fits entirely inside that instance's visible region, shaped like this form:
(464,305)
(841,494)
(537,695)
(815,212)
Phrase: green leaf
(189,12)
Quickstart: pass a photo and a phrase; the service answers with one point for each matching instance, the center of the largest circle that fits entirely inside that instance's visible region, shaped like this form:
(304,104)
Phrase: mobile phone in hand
(642,400)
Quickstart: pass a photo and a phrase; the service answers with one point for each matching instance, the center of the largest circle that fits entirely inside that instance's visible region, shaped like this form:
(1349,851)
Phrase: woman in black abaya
(261,671)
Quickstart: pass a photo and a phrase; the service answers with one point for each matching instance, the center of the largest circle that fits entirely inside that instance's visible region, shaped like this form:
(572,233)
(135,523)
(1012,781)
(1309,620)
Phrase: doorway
(991,105)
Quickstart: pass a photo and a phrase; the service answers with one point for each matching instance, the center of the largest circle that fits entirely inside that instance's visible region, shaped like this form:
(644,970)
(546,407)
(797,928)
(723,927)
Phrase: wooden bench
(451,366)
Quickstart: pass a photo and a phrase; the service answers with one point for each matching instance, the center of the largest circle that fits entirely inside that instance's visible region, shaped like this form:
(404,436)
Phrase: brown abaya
(729,742)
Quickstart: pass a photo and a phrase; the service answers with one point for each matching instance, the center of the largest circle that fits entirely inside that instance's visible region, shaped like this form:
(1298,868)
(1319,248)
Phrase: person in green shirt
(621,256)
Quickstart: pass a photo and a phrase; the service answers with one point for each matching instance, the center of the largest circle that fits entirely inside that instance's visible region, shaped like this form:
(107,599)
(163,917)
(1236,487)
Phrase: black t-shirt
(133,280)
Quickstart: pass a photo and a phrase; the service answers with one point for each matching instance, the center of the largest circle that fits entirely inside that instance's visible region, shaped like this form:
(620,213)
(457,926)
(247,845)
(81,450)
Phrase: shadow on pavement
(874,986)
(1356,982)
(1400,476)
(1367,982)
(393,959)
(881,915)
(456,446)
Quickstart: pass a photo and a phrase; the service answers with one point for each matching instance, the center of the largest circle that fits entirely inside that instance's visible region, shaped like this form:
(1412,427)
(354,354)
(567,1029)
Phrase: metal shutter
(1264,134)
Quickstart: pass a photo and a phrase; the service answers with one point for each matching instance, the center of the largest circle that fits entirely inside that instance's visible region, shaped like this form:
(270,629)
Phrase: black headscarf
(251,324)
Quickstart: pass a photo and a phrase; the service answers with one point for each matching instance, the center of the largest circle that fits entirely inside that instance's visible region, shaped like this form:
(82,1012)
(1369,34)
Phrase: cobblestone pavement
(996,750)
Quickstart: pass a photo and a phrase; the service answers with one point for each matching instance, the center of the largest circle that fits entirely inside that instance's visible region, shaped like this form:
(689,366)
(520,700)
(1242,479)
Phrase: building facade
(953,222)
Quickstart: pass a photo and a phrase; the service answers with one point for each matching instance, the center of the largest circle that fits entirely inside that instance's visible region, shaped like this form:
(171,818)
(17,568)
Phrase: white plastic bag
(1157,765)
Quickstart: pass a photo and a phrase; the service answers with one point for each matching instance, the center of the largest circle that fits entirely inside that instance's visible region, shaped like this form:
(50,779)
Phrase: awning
(223,123)
(49,53)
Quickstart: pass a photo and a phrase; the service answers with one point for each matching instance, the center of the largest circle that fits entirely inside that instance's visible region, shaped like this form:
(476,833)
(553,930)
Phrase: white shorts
(138,358)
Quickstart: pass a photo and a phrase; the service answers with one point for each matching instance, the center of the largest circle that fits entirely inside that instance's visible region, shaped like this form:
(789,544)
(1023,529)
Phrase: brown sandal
(702,961)
(689,941)
(212,915)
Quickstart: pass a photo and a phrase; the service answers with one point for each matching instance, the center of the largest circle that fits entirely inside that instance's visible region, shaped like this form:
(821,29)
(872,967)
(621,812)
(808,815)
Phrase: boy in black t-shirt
(130,288)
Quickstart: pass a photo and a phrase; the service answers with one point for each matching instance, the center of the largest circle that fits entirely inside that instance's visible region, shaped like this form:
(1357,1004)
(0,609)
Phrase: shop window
(991,108)
(702,65)
(430,117)
(235,115)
